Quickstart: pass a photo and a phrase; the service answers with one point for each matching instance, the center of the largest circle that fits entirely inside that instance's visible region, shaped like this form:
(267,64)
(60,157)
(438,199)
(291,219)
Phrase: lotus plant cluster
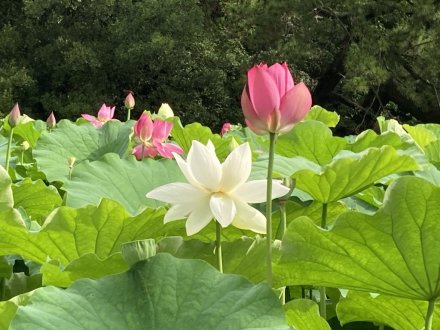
(95,236)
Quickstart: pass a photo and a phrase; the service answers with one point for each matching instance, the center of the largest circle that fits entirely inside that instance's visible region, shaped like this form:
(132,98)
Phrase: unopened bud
(225,128)
(129,101)
(14,115)
(71,161)
(51,121)
(25,145)
(165,111)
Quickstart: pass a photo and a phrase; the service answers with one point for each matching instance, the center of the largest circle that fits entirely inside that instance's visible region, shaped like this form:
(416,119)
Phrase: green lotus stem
(322,295)
(324,216)
(272,139)
(8,150)
(128,113)
(218,245)
(2,289)
(322,304)
(429,315)
(282,227)
(381,327)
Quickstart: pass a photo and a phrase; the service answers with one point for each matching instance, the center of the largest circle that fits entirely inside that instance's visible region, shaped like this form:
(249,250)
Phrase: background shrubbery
(361,58)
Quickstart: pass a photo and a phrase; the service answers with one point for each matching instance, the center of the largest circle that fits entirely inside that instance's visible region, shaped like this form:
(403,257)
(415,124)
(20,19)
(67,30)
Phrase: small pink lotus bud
(51,121)
(14,115)
(225,128)
(129,101)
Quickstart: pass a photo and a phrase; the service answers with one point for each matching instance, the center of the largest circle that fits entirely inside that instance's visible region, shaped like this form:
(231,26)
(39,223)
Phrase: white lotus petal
(223,209)
(178,211)
(177,192)
(210,145)
(183,165)
(255,191)
(249,218)
(236,168)
(199,218)
(204,166)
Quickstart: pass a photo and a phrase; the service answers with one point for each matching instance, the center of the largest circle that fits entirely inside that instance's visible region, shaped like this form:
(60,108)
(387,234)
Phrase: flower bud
(129,101)
(71,161)
(14,116)
(165,111)
(271,102)
(225,128)
(25,145)
(51,121)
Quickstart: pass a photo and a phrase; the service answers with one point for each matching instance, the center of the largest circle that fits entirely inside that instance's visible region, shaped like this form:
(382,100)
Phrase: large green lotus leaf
(8,309)
(349,174)
(312,140)
(20,283)
(432,151)
(303,314)
(184,136)
(5,267)
(369,139)
(283,166)
(329,118)
(3,148)
(162,292)
(313,211)
(37,199)
(83,142)
(397,313)
(124,180)
(30,131)
(75,237)
(6,196)
(421,135)
(394,252)
(87,266)
(429,173)
(243,256)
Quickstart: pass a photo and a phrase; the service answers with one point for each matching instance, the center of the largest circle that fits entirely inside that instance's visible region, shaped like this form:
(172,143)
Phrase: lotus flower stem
(218,245)
(282,227)
(8,150)
(128,113)
(324,216)
(429,315)
(272,139)
(322,295)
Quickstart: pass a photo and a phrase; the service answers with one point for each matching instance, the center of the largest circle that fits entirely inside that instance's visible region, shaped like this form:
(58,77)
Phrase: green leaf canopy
(159,293)
(393,252)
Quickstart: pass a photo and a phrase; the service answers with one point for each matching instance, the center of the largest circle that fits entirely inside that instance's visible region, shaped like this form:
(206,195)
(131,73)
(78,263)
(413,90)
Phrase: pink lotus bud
(129,101)
(225,128)
(14,115)
(270,100)
(51,121)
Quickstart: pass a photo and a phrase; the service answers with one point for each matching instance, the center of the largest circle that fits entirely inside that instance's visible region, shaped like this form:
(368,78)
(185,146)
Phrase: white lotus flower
(216,190)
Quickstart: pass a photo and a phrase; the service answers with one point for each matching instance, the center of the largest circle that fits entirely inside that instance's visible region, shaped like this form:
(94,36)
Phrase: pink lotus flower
(271,102)
(105,114)
(225,128)
(152,137)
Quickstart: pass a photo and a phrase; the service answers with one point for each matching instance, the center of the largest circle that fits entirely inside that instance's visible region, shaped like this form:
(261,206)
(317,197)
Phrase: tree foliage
(362,58)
